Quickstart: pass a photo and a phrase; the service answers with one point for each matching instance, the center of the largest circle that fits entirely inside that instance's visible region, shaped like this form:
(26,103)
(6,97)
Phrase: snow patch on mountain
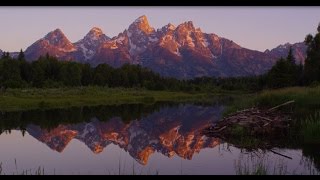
(91,42)
(67,50)
(153,39)
(177,52)
(88,53)
(120,39)
(190,40)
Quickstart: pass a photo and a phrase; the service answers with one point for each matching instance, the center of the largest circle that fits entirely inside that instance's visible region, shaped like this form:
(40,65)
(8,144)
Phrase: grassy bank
(305,111)
(27,99)
(307,100)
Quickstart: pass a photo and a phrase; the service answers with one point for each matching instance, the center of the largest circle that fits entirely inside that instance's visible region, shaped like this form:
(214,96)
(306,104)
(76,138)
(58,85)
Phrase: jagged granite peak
(55,43)
(57,38)
(95,30)
(299,51)
(89,45)
(188,25)
(142,19)
(185,33)
(171,26)
(141,24)
(140,36)
(284,46)
(95,33)
(167,28)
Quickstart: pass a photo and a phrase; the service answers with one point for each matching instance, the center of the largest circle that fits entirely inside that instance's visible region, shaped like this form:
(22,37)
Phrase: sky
(257,28)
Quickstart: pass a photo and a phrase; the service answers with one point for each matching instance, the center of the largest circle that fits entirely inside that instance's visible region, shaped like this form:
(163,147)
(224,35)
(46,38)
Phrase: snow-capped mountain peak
(91,42)
(95,33)
(140,36)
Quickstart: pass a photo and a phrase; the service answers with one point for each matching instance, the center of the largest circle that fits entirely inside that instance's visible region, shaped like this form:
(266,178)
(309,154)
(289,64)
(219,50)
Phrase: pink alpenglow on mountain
(181,51)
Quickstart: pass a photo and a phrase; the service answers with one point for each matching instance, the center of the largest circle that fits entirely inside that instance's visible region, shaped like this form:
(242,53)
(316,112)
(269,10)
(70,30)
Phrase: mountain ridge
(181,51)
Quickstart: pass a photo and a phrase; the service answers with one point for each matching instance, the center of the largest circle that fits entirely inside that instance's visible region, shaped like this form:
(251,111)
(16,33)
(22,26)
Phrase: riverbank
(302,105)
(307,100)
(28,99)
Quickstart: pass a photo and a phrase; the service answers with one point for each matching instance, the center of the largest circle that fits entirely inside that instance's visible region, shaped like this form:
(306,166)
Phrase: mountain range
(182,51)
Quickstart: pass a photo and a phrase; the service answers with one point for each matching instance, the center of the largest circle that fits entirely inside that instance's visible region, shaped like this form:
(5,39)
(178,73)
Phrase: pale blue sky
(258,28)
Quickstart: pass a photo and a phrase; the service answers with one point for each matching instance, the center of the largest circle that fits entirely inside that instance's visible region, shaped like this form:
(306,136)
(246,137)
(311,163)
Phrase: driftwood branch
(266,124)
(221,128)
(286,103)
(268,119)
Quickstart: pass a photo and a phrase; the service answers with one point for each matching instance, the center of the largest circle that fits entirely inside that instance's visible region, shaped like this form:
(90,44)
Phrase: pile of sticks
(256,122)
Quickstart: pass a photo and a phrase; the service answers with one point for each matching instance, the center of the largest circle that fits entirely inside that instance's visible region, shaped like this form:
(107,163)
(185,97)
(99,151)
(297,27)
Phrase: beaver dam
(253,128)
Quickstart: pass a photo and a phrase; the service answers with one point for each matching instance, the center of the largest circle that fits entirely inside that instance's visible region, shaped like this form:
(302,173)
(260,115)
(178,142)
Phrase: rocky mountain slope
(182,51)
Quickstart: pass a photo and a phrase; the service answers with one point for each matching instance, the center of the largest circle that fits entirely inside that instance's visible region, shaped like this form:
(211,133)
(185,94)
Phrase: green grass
(306,109)
(311,128)
(260,166)
(36,171)
(238,131)
(256,169)
(307,100)
(305,127)
(239,102)
(27,99)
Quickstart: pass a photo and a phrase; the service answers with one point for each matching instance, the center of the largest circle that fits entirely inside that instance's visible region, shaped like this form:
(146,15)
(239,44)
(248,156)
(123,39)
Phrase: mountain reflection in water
(170,130)
(157,138)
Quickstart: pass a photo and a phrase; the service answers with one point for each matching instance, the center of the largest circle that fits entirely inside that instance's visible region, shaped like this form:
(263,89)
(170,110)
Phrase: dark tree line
(53,117)
(312,62)
(287,73)
(49,72)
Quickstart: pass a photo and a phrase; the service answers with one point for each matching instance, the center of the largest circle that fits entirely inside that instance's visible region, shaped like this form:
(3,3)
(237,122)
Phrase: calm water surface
(132,139)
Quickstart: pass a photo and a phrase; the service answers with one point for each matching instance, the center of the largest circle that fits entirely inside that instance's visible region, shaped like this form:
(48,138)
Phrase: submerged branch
(280,154)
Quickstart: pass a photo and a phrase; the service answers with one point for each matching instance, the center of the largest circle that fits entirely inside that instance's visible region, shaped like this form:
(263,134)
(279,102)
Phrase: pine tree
(47,55)
(21,55)
(290,57)
(3,55)
(312,62)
